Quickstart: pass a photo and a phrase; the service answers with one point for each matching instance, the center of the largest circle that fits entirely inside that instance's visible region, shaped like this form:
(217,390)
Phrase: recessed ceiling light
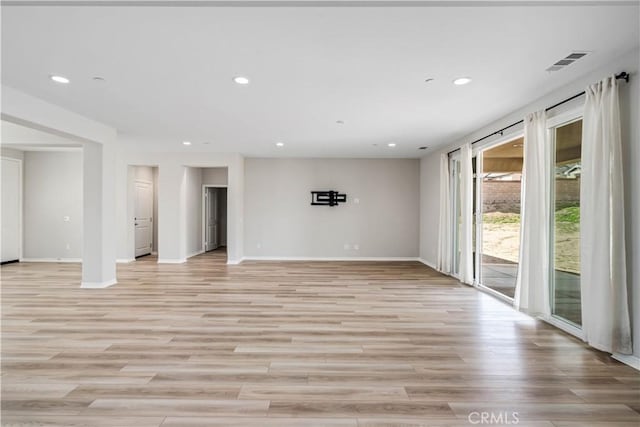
(391,144)
(186,143)
(462,81)
(279,144)
(241,80)
(59,79)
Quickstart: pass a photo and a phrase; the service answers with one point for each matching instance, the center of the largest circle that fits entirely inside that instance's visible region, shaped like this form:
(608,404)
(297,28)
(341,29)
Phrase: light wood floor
(290,344)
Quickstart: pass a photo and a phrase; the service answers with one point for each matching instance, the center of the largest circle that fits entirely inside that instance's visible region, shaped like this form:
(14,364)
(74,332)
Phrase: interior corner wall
(52,192)
(280,221)
(630,119)
(429,208)
(154,245)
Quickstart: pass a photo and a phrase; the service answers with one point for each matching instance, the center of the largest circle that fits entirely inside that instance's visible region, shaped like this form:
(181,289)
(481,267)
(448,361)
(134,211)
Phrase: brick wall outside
(504,196)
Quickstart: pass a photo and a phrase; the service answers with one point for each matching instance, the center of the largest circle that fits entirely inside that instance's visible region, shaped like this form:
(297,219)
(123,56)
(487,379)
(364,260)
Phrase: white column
(171,225)
(98,254)
(235,222)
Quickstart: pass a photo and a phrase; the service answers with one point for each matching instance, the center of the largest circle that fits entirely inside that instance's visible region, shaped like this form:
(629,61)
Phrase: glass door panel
(565,275)
(456,213)
(500,189)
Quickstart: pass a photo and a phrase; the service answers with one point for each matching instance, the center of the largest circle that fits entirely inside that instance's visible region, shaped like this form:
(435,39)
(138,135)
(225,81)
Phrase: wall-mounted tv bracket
(327,198)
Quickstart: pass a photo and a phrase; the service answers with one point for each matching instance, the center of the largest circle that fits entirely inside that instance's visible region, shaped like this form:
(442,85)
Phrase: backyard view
(501,193)
(501,233)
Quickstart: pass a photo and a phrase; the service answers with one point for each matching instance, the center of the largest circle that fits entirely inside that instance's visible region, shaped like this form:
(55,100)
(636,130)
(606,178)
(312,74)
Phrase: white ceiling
(169,70)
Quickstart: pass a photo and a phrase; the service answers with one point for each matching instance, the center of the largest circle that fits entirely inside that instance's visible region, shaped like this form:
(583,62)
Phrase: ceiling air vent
(568,60)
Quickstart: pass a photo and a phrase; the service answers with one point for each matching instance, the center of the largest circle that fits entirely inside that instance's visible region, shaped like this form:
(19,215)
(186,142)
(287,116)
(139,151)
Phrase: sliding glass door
(456,214)
(565,229)
(499,191)
(496,220)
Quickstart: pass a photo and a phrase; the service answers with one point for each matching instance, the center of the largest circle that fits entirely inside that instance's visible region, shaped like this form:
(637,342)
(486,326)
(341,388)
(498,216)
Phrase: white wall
(172,198)
(280,222)
(215,176)
(429,208)
(11,153)
(193,211)
(52,190)
(630,110)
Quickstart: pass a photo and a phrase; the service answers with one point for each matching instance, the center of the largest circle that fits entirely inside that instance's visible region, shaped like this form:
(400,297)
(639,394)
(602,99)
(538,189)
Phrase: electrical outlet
(356,247)
(259,245)
(347,246)
(356,201)
(68,246)
(66,218)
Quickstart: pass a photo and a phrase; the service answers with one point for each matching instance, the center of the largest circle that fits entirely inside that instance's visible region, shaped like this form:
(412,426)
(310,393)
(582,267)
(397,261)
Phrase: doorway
(11,248)
(145,206)
(498,193)
(214,202)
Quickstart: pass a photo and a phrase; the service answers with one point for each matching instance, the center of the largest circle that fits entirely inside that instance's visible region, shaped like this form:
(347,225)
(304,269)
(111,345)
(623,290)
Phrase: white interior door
(144,218)
(211,219)
(11,212)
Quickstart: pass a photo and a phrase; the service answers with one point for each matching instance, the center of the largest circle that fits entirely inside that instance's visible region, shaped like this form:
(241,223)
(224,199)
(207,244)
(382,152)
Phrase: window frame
(567,117)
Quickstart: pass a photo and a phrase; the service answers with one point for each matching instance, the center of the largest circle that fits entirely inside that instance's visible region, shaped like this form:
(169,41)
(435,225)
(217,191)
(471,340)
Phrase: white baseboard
(154,252)
(296,258)
(171,260)
(76,260)
(98,285)
(125,260)
(427,263)
(195,253)
(628,359)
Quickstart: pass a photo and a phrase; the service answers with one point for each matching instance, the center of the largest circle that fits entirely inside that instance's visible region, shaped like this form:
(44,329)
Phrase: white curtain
(466,208)
(445,232)
(532,284)
(605,312)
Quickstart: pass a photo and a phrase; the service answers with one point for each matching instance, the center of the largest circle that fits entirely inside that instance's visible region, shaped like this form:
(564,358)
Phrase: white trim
(430,264)
(566,117)
(124,260)
(154,252)
(494,293)
(302,258)
(516,133)
(204,211)
(235,261)
(565,326)
(71,260)
(628,359)
(195,253)
(98,285)
(21,202)
(171,260)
